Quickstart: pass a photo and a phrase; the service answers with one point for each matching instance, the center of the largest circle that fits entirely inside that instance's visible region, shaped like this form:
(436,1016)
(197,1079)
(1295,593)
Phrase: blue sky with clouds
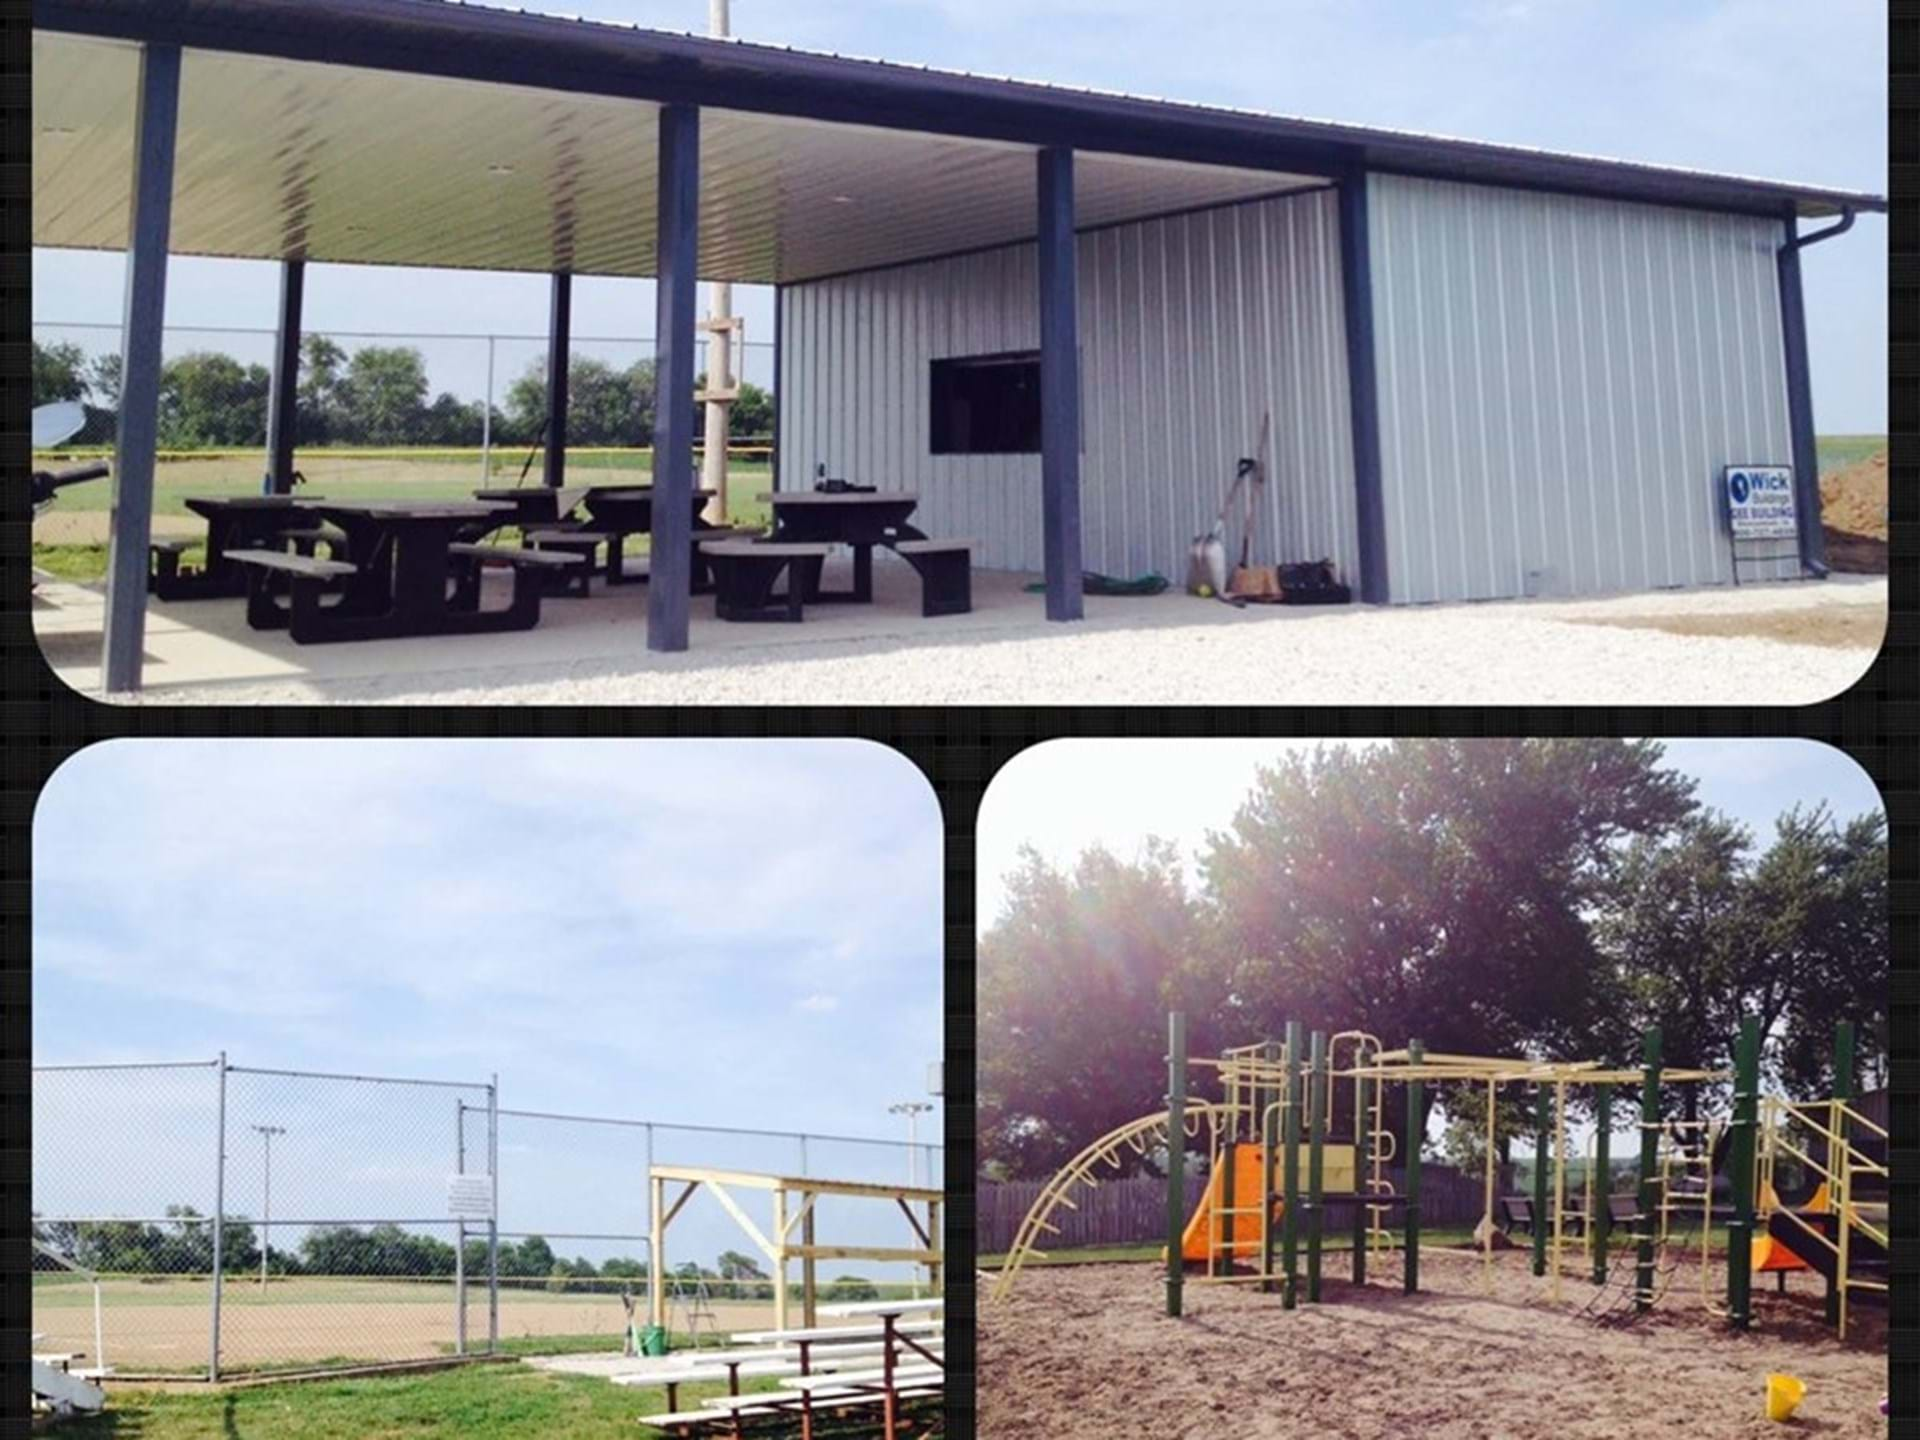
(686,930)
(1059,797)
(742,934)
(1777,88)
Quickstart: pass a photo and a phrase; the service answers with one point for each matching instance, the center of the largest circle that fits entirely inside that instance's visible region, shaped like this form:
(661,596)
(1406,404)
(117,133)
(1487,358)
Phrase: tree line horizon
(376,395)
(1547,898)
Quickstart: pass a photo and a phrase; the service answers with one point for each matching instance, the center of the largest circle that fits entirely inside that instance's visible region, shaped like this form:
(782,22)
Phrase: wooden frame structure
(793,1200)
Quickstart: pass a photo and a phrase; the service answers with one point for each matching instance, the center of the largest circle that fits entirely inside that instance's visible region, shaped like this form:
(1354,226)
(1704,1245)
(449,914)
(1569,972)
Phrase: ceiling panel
(281,158)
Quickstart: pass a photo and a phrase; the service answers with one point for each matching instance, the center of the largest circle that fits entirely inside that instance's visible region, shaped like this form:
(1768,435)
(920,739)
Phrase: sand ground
(1080,1352)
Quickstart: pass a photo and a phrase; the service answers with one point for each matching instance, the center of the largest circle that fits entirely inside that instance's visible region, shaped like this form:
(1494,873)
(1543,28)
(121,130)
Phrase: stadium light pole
(267,1132)
(913,1110)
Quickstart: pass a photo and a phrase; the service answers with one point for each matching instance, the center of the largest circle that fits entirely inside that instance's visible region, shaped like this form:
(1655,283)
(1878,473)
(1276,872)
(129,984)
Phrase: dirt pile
(1853,509)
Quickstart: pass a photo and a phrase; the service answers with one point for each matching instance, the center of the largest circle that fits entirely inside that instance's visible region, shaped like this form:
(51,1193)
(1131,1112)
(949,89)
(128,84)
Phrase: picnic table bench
(234,522)
(746,573)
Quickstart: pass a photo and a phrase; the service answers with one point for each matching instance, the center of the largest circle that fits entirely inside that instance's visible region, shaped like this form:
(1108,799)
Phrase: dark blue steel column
(283,398)
(673,408)
(156,117)
(1059,387)
(1806,455)
(1363,388)
(559,339)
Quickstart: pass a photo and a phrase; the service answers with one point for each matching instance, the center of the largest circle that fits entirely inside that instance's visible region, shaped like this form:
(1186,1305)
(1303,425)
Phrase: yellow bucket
(1784,1394)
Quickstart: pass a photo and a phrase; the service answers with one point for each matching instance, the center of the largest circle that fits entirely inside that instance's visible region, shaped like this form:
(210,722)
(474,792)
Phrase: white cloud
(818,1004)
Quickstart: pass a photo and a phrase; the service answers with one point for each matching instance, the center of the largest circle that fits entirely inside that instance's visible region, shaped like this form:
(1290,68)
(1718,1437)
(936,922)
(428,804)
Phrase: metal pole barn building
(1058,315)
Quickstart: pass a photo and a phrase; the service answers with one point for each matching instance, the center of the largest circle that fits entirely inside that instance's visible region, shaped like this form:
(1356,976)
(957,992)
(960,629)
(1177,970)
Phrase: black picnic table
(401,551)
(623,510)
(860,519)
(234,522)
(533,504)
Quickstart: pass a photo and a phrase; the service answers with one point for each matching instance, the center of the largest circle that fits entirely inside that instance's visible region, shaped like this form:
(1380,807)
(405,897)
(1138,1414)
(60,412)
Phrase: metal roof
(429,132)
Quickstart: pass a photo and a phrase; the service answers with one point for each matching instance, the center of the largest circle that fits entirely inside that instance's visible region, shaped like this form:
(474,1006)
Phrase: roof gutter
(1793,334)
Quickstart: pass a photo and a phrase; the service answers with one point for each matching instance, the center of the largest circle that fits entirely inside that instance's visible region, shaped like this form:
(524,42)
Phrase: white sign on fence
(470,1197)
(1760,502)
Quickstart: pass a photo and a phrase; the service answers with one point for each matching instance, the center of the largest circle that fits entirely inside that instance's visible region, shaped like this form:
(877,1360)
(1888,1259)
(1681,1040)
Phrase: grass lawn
(474,1403)
(1839,451)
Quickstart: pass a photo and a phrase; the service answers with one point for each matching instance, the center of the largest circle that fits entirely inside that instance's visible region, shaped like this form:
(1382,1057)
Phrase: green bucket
(653,1340)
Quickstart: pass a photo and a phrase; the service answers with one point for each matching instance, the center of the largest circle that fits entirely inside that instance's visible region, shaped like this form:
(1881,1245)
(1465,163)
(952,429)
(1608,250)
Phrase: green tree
(209,400)
(59,372)
(318,411)
(605,406)
(752,415)
(103,379)
(1075,979)
(848,1289)
(383,395)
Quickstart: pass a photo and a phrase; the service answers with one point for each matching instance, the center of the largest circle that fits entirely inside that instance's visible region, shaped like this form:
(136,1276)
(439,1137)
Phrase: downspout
(1793,329)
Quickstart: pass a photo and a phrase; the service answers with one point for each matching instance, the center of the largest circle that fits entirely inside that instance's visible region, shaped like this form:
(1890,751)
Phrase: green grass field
(474,1403)
(69,540)
(1839,451)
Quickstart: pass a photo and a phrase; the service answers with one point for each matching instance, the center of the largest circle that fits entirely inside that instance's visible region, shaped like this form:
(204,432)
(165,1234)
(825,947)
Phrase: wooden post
(656,1280)
(780,1265)
(809,1299)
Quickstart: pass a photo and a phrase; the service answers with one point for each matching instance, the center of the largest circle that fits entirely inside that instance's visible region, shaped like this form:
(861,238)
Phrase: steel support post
(283,397)
(1600,1222)
(219,1215)
(1290,1170)
(1316,1132)
(1648,1202)
(1542,1119)
(1416,1134)
(1363,387)
(156,119)
(460,1232)
(559,354)
(1059,387)
(675,341)
(1746,1121)
(1269,1124)
(493,1219)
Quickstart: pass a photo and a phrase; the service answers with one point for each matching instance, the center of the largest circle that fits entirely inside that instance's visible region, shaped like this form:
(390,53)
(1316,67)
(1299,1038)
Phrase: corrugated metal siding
(1191,328)
(1561,382)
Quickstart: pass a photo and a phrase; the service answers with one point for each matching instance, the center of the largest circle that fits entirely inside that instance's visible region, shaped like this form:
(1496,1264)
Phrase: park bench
(1516,1213)
(572,540)
(533,575)
(746,573)
(946,574)
(306,579)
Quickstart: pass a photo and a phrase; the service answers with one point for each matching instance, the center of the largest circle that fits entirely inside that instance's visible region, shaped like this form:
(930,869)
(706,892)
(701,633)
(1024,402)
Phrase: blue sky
(1059,797)
(724,933)
(1775,88)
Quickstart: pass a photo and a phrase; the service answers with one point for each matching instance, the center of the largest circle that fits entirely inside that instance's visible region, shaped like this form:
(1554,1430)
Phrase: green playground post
(1316,1126)
(1362,1168)
(1542,1120)
(1269,1096)
(1842,1092)
(1746,1122)
(1290,1170)
(1648,1202)
(1601,1221)
(1176,1153)
(1416,1132)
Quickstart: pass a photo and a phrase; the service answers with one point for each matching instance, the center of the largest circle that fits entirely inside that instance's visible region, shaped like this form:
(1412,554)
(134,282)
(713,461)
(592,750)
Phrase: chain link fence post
(219,1216)
(493,1219)
(460,1231)
(486,421)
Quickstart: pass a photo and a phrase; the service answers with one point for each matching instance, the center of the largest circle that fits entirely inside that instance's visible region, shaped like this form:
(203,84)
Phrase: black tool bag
(1312,583)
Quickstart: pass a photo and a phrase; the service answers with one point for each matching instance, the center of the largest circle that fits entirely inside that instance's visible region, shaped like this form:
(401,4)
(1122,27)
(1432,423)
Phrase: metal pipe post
(1362,1169)
(1059,387)
(459,1232)
(1316,1131)
(1648,1202)
(1600,1222)
(486,423)
(1269,1096)
(1746,1116)
(1176,1153)
(1836,1159)
(493,1219)
(1541,1112)
(1416,1133)
(1290,1169)
(559,354)
(156,120)
(219,1214)
(678,226)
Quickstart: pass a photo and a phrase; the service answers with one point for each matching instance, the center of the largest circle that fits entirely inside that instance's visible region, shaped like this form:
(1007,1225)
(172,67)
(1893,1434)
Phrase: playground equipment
(779,1245)
(1278,1101)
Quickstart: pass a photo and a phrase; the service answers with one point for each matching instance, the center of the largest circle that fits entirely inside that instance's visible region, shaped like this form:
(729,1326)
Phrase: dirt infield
(1087,1351)
(289,1324)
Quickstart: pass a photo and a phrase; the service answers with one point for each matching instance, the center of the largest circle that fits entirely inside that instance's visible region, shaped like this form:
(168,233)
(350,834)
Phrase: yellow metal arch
(1139,1136)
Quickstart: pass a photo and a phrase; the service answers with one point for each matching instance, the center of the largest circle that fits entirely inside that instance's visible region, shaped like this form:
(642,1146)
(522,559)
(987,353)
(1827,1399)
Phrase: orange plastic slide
(1771,1254)
(1240,1230)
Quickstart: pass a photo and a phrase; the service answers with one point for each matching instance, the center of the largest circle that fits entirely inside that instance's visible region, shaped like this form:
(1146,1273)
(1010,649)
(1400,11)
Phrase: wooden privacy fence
(1133,1211)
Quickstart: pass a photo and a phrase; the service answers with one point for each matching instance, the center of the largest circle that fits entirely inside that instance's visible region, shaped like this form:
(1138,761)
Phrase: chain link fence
(419,416)
(246,1220)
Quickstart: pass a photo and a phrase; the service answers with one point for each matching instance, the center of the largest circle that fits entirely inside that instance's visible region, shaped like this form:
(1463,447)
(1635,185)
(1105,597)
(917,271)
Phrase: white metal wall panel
(1191,328)
(1561,382)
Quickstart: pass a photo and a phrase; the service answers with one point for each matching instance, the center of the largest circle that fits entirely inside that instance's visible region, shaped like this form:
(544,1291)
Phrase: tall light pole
(720,328)
(913,1110)
(267,1132)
